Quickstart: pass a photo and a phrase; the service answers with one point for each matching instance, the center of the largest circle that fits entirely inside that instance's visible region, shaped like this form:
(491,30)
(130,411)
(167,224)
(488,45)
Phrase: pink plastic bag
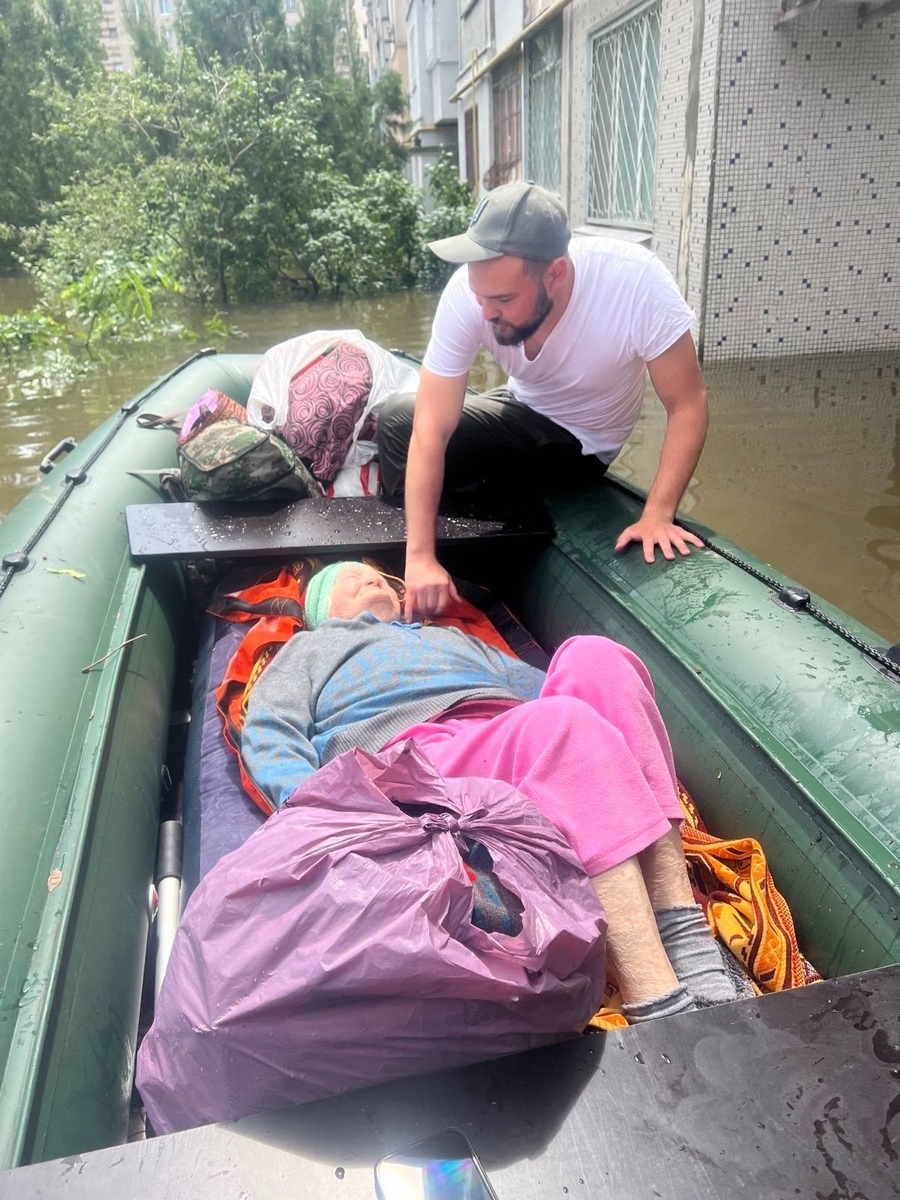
(336,949)
(326,399)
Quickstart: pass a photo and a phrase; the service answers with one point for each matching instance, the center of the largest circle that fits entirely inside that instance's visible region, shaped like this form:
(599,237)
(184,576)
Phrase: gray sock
(695,954)
(678,1000)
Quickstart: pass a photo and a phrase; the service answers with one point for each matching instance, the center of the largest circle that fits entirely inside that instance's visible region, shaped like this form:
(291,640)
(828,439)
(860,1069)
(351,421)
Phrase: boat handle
(49,460)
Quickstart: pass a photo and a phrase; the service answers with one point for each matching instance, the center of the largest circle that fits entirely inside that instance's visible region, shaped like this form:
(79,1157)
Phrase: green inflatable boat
(784,715)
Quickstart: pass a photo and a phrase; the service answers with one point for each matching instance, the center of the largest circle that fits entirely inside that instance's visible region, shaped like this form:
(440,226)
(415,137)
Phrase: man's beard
(515,335)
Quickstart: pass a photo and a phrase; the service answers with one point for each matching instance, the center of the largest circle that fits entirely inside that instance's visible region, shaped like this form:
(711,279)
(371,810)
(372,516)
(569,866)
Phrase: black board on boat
(792,1095)
(342,526)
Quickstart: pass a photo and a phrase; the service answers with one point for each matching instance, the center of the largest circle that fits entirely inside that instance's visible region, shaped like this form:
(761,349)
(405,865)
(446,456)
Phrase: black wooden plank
(791,1095)
(345,525)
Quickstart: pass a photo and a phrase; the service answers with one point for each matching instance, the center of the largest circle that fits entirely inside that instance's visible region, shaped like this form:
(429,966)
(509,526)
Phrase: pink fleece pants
(591,752)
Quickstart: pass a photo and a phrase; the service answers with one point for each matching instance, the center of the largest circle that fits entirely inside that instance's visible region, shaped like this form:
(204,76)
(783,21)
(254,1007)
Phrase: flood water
(802,465)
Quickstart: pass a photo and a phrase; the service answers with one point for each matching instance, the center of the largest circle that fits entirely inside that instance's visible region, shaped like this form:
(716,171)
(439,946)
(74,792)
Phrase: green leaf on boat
(67,571)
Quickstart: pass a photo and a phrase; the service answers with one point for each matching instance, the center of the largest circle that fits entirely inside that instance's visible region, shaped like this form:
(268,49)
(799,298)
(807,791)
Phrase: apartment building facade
(754,147)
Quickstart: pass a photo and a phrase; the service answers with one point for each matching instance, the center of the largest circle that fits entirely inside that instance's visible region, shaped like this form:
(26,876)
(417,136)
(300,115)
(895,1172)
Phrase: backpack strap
(148,420)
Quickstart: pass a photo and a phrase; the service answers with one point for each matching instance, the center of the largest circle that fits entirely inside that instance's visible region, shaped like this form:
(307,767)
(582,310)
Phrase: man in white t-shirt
(575,325)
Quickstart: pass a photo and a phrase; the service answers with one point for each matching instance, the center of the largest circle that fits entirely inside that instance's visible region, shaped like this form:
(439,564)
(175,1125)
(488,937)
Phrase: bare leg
(665,872)
(637,959)
(686,938)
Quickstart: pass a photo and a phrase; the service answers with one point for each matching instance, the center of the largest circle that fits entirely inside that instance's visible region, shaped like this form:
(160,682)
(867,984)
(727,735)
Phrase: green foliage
(396,206)
(217,328)
(363,241)
(220,173)
(105,209)
(451,214)
(446,188)
(28,331)
(113,298)
(210,171)
(45,50)
(151,52)
(253,159)
(235,33)
(439,223)
(389,107)
(246,170)
(358,124)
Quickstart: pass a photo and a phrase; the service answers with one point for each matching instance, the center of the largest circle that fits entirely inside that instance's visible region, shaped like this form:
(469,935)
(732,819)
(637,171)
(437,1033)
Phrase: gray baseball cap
(520,219)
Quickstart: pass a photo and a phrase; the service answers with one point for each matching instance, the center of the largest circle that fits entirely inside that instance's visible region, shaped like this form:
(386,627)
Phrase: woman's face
(360,589)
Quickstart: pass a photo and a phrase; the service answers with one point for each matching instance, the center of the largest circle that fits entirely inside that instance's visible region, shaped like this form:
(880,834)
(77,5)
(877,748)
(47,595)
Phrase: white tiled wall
(781,218)
(804,225)
(688,58)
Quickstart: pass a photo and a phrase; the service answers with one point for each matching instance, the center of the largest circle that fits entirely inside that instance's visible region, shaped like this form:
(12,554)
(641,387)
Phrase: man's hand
(429,589)
(653,532)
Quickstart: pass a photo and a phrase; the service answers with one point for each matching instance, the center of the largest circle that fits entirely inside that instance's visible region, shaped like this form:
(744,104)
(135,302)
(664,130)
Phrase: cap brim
(462,249)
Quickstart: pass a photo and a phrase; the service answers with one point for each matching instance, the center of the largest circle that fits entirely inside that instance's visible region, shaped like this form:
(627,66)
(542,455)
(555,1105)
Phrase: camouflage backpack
(231,460)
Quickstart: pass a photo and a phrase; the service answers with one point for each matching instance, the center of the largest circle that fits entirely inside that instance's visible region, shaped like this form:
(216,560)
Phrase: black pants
(501,460)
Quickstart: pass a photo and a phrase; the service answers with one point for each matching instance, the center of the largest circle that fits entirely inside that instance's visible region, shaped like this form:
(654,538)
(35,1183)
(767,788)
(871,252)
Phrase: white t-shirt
(588,377)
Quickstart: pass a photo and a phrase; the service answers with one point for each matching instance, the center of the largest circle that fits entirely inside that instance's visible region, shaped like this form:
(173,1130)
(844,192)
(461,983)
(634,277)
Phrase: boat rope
(799,600)
(16,561)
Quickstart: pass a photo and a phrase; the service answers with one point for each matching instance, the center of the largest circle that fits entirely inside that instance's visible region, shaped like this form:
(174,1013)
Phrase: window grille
(543,99)
(624,93)
(507,89)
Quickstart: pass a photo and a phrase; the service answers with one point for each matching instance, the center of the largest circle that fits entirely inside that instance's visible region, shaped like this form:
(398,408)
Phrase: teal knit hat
(318,593)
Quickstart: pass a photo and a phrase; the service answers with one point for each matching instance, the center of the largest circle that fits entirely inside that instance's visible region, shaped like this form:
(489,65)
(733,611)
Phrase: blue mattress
(219,816)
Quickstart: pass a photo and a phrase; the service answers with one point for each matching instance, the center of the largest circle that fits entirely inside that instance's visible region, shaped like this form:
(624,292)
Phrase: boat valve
(795,598)
(16,560)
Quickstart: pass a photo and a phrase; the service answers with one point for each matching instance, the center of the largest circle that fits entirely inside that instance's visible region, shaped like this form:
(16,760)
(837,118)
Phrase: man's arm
(677,380)
(439,404)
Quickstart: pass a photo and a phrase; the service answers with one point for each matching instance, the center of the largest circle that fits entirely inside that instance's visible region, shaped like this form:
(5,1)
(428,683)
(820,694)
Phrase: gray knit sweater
(360,683)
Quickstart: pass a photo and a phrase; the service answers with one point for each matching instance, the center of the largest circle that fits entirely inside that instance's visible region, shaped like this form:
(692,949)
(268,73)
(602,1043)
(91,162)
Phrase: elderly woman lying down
(584,741)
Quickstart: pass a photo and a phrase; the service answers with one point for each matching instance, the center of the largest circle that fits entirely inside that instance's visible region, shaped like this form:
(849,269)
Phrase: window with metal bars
(624,98)
(507,98)
(543,112)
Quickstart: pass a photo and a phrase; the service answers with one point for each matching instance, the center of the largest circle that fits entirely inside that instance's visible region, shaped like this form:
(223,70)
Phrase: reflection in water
(801,469)
(802,466)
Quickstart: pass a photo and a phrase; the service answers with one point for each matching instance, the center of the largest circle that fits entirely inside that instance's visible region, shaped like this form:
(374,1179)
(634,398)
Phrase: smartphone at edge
(443,1166)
